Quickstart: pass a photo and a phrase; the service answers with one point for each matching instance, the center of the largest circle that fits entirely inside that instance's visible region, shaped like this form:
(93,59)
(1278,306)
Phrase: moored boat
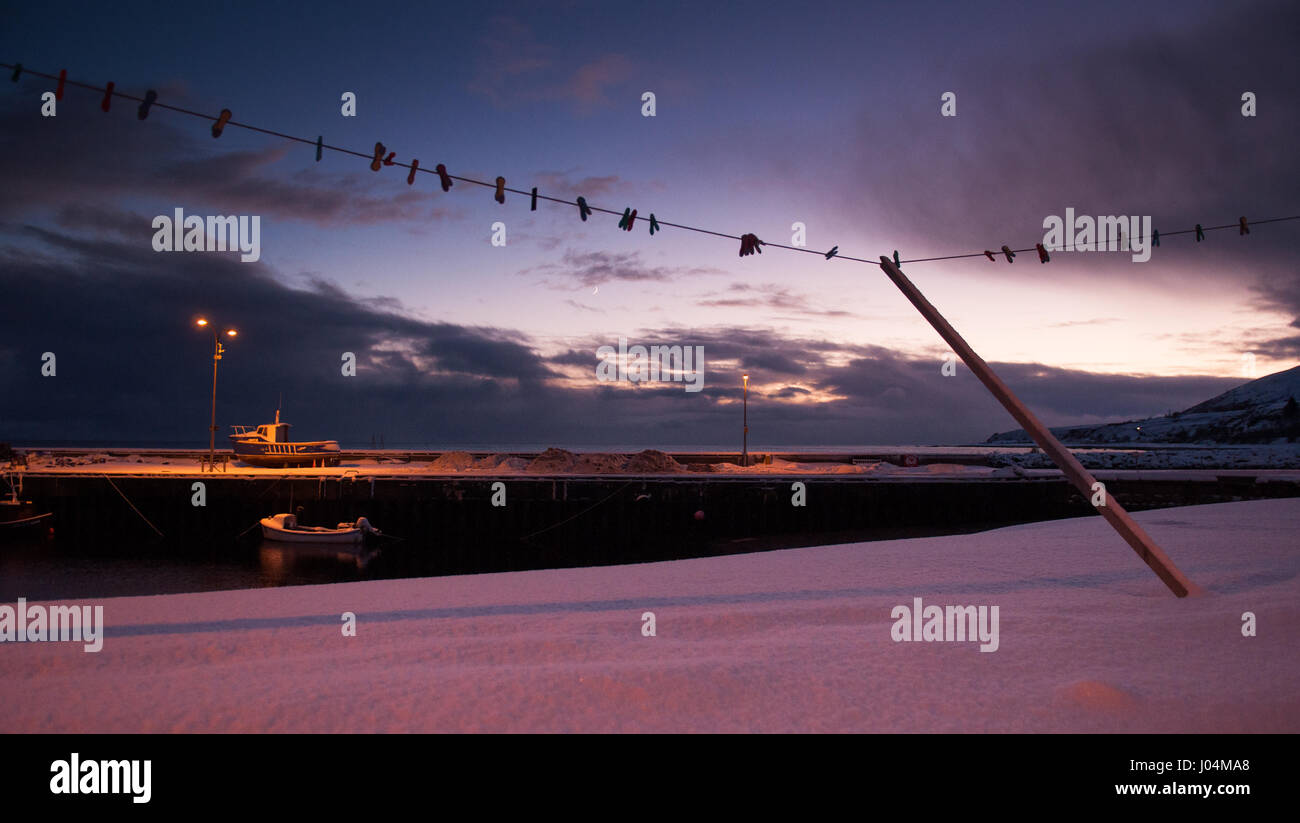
(269,445)
(16,513)
(284,528)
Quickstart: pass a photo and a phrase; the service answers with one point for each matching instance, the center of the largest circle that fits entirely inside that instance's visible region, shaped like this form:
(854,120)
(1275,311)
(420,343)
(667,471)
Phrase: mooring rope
(132,505)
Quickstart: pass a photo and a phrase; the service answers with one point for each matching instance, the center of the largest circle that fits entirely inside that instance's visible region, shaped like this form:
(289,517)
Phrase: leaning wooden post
(1114,513)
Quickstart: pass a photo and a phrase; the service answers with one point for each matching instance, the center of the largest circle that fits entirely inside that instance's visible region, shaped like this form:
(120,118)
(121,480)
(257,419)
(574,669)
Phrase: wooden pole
(1074,471)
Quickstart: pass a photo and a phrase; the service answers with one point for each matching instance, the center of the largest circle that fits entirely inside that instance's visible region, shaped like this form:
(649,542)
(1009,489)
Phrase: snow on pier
(795,640)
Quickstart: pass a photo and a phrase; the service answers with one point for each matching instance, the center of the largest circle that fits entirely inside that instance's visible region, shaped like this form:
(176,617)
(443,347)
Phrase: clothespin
(897,262)
(18,69)
(388,161)
(1011,256)
(1200,233)
(410,178)
(1155,237)
(1042,253)
(320,144)
(150,97)
(629,217)
(442,177)
(108,97)
(654,224)
(533,205)
(220,125)
(583,209)
(1244,228)
(834,251)
(989,255)
(500,196)
(379,157)
(749,243)
(63,78)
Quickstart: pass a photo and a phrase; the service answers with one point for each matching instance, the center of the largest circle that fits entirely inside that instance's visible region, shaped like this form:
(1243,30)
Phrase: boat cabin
(267,433)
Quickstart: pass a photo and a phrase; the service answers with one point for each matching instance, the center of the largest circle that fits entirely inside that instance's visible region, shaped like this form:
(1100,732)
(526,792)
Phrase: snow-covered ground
(797,640)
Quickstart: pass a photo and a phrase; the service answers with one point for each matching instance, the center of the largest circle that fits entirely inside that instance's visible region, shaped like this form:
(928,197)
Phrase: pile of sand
(500,463)
(552,461)
(453,462)
(599,463)
(559,461)
(652,461)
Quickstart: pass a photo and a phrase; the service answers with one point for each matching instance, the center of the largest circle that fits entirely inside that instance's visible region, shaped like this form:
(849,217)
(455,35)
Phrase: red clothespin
(1042,253)
(989,255)
(1011,256)
(379,157)
(443,178)
(1244,228)
(410,178)
(628,218)
(388,161)
(63,78)
(500,196)
(220,125)
(749,243)
(108,97)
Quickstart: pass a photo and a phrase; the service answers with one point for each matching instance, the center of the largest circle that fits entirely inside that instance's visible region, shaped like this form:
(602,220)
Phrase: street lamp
(744,456)
(217,350)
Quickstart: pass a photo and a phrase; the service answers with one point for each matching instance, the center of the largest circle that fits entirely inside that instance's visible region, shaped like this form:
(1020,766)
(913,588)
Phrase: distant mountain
(1261,411)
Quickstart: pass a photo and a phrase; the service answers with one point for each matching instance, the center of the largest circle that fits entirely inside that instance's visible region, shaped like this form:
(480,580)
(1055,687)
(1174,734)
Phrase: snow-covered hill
(1261,411)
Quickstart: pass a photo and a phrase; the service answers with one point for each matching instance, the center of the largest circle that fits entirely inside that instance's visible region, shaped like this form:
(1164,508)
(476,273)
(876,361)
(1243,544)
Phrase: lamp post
(744,455)
(217,350)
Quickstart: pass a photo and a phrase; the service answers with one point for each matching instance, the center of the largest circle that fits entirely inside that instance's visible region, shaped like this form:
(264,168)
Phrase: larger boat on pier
(269,445)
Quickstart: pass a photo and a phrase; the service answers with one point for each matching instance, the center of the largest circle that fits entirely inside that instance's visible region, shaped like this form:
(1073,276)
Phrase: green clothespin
(897,262)
(1200,233)
(625,223)
(583,209)
(1155,237)
(320,144)
(834,251)
(654,224)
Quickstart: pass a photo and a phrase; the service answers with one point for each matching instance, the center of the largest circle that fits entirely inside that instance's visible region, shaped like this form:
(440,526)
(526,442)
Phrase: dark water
(39,569)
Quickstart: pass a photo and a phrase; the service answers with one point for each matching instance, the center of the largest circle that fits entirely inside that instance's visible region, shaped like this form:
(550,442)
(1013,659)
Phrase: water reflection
(282,562)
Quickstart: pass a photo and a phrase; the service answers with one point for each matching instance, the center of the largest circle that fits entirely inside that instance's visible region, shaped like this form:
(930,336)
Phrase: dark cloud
(93,158)
(587,269)
(516,66)
(427,382)
(771,296)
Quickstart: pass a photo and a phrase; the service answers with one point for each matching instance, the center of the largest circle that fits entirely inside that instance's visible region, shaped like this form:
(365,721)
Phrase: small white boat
(284,528)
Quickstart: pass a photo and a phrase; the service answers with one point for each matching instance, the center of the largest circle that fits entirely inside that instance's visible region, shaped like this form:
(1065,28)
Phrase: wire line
(562,201)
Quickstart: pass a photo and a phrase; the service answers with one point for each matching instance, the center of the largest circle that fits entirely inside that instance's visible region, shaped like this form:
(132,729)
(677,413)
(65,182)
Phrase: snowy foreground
(797,640)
